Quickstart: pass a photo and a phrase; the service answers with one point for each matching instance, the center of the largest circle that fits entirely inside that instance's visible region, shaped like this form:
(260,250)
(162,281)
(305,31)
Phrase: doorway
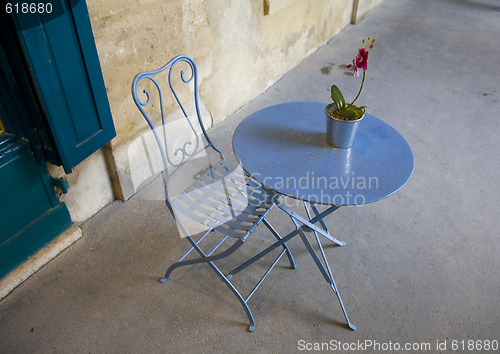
(30,212)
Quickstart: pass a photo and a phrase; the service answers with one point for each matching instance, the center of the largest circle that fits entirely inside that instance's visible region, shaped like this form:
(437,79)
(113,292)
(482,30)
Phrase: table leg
(324,269)
(269,249)
(319,218)
(308,225)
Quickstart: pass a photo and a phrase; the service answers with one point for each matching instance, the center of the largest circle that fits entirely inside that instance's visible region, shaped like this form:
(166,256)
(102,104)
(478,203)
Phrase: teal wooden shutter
(61,55)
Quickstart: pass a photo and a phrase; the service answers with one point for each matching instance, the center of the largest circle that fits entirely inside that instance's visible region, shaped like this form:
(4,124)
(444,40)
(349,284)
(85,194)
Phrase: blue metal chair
(208,197)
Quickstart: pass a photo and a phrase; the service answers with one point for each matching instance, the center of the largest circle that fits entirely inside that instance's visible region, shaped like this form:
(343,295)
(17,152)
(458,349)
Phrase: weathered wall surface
(239,52)
(364,6)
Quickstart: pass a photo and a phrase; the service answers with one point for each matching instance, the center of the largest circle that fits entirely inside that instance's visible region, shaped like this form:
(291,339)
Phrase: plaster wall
(239,52)
(90,187)
(364,6)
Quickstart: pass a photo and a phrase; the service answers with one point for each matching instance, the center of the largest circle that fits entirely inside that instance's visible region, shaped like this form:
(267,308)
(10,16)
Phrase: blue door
(53,108)
(30,213)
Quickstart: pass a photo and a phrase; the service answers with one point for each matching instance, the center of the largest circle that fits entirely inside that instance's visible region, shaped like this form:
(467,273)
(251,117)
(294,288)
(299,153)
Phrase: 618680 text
(28,8)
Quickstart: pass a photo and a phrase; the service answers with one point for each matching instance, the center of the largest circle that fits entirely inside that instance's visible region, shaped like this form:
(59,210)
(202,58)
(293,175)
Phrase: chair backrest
(181,135)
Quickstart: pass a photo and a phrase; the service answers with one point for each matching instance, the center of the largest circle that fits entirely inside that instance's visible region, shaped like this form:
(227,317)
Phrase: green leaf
(338,98)
(349,114)
(359,110)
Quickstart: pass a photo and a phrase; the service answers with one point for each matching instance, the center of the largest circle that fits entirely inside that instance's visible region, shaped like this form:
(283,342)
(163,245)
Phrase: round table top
(284,147)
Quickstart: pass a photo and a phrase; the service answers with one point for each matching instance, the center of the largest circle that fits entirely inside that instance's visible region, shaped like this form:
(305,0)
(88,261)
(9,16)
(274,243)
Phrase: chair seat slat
(234,223)
(196,202)
(249,181)
(224,194)
(226,230)
(189,212)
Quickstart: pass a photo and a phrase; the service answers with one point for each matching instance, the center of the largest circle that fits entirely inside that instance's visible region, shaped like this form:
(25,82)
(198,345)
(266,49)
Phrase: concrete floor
(420,267)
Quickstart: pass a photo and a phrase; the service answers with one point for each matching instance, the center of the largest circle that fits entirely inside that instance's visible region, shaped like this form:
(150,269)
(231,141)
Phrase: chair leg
(203,259)
(209,260)
(293,264)
(243,301)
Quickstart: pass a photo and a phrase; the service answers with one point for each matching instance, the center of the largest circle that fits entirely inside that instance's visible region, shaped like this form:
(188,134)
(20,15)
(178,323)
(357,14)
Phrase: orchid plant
(350,111)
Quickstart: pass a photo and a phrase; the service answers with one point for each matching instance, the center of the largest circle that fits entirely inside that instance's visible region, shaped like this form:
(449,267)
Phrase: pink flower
(354,68)
(362,59)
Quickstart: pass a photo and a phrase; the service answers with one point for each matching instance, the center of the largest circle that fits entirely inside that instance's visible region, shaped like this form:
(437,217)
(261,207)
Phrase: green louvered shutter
(62,58)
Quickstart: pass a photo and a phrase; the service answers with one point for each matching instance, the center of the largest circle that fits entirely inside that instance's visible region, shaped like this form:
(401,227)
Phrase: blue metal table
(284,147)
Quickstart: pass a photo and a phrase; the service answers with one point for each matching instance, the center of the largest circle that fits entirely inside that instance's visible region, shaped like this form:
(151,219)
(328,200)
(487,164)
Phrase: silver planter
(340,133)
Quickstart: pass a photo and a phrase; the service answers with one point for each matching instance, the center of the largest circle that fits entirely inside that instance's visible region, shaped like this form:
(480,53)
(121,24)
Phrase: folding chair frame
(219,172)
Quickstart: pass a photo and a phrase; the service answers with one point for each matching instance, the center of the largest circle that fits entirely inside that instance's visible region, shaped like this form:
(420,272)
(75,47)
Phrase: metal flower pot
(340,133)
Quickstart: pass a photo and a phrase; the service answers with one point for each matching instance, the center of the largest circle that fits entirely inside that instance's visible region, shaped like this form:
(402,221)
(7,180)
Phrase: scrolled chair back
(169,101)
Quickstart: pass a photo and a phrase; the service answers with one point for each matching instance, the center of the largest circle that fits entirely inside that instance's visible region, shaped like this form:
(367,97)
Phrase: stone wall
(240,51)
